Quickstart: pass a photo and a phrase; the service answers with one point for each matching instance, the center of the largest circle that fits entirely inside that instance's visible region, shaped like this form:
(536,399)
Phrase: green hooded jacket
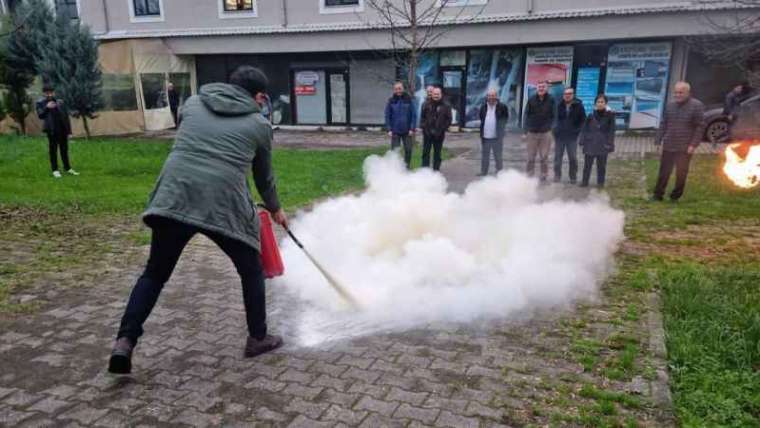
(204,180)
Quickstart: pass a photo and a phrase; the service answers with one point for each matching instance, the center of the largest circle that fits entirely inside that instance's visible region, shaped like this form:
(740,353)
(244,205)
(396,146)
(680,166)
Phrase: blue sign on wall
(587,86)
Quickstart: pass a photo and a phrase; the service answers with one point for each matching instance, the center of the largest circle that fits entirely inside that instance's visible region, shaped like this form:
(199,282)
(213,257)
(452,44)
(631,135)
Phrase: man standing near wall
(436,119)
(57,125)
(679,135)
(570,118)
(539,116)
(400,118)
(493,122)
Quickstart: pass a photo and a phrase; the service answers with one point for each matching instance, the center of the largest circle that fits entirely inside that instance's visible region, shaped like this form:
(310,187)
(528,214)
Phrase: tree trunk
(86,127)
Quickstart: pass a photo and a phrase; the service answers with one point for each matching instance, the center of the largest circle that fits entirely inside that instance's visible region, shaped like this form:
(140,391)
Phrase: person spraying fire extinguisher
(203,188)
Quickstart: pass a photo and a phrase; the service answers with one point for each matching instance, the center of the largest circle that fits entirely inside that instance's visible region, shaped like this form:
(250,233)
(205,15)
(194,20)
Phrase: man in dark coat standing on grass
(57,126)
(680,133)
(570,118)
(203,188)
(400,119)
(436,119)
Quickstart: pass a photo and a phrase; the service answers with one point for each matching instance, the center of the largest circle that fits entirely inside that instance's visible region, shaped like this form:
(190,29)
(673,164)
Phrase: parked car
(746,126)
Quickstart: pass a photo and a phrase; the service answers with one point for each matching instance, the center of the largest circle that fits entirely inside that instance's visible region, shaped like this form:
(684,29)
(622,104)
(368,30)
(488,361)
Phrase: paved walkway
(189,369)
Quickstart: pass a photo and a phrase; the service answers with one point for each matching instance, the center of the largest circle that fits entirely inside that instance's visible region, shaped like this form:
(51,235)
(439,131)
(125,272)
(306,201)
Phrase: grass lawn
(703,255)
(54,230)
(117,175)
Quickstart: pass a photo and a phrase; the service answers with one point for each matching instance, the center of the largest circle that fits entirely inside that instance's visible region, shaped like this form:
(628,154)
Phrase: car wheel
(717,131)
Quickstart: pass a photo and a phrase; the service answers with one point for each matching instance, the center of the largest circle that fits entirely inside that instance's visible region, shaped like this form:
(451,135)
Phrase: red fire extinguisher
(270,254)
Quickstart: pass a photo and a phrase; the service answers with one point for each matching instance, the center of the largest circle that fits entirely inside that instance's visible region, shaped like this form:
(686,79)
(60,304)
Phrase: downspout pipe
(105,16)
(529,6)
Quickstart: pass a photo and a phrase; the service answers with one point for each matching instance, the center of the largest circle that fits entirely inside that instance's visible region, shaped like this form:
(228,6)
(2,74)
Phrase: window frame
(238,14)
(462,3)
(326,10)
(55,8)
(134,18)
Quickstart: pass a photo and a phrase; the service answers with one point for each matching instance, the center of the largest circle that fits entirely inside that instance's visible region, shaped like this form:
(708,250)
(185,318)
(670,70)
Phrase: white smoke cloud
(413,254)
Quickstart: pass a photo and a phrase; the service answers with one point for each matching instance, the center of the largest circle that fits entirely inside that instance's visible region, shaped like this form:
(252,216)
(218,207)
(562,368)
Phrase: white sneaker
(57,174)
(72,172)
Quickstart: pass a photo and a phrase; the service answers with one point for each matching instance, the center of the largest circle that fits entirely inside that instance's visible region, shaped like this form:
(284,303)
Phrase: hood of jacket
(228,100)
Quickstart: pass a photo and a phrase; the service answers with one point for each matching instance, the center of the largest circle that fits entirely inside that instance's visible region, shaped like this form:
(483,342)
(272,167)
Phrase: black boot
(254,347)
(121,357)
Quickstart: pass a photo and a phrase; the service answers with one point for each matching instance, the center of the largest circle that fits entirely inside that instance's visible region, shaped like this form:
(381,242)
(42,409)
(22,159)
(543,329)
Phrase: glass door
(453,92)
(338,97)
(311,97)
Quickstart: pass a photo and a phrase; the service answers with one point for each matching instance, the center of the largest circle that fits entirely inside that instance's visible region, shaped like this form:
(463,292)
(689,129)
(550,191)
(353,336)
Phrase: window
(237,8)
(235,5)
(67,8)
(119,92)
(341,6)
(146,10)
(154,91)
(460,3)
(331,3)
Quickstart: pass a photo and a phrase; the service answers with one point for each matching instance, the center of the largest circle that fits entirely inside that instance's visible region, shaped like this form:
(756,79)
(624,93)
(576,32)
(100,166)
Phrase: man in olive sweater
(203,188)
(680,133)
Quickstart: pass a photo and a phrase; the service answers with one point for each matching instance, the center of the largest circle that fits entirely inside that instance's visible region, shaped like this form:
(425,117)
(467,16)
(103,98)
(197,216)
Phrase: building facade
(327,62)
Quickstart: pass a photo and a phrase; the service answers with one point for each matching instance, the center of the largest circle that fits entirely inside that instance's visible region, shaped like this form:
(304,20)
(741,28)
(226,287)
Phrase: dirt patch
(702,242)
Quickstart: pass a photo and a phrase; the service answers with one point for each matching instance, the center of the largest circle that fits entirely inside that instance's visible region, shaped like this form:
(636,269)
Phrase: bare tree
(734,41)
(416,26)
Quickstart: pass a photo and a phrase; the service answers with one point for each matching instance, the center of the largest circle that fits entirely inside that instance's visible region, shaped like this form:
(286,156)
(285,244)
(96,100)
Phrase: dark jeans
(408,141)
(668,160)
(569,145)
(436,143)
(168,240)
(58,142)
(601,168)
(495,145)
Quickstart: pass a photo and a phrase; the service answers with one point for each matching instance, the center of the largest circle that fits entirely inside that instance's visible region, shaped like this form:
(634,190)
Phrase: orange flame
(744,171)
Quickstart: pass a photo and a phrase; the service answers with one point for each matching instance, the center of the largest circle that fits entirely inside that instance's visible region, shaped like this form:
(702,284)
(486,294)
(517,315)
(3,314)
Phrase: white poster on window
(553,64)
(637,81)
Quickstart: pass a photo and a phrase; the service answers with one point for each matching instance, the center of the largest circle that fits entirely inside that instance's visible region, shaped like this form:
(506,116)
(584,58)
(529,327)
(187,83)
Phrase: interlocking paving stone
(411,412)
(189,370)
(384,408)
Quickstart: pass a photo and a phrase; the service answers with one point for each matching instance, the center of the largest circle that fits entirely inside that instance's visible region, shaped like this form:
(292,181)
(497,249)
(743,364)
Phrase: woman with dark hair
(597,138)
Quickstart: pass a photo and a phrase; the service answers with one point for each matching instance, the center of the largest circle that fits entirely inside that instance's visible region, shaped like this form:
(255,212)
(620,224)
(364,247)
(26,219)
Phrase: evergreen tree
(69,61)
(28,26)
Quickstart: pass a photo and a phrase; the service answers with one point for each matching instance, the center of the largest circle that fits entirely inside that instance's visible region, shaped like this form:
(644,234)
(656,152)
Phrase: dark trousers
(495,145)
(168,240)
(408,141)
(436,143)
(668,160)
(601,168)
(569,145)
(58,142)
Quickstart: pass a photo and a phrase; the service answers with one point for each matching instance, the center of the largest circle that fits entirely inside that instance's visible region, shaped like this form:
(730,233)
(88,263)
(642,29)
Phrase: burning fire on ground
(743,164)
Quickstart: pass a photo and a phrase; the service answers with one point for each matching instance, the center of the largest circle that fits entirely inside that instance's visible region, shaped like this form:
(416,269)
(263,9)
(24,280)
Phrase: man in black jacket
(493,122)
(57,126)
(435,121)
(539,116)
(570,118)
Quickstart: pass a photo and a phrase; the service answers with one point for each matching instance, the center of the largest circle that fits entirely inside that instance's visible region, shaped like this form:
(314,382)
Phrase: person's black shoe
(656,199)
(573,181)
(254,347)
(583,184)
(121,357)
